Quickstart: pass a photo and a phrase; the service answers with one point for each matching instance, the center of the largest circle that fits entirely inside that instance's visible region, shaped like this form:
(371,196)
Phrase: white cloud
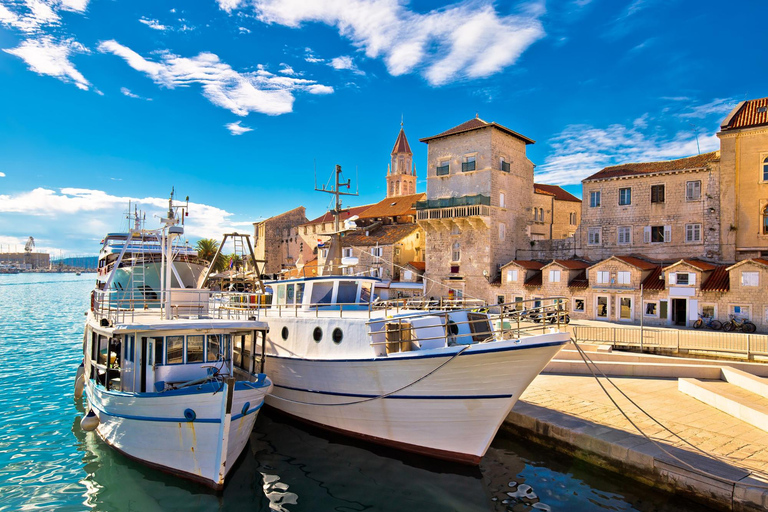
(345,62)
(127,92)
(153,24)
(716,106)
(240,93)
(244,30)
(236,129)
(2,175)
(68,217)
(47,57)
(286,69)
(465,40)
(30,16)
(582,150)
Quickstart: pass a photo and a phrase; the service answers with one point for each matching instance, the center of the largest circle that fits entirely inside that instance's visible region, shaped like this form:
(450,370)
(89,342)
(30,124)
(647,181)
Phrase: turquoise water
(48,463)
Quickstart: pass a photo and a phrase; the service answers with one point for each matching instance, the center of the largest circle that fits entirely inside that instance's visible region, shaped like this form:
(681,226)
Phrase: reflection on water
(48,463)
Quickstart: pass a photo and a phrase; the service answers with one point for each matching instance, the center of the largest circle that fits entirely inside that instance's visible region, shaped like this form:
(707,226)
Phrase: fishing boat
(165,383)
(435,379)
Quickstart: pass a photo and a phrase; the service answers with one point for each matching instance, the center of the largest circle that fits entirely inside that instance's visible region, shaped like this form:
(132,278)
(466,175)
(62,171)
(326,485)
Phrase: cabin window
(103,349)
(281,294)
(347,292)
(317,334)
(174,350)
(247,352)
(195,349)
(159,350)
(322,293)
(130,347)
(299,293)
(237,351)
(213,348)
(337,335)
(365,293)
(289,294)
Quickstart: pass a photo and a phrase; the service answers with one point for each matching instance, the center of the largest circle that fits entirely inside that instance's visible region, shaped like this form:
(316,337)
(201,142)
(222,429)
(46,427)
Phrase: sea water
(48,463)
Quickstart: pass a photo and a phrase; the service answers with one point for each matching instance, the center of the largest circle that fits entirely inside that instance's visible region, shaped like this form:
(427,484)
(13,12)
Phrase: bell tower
(401,174)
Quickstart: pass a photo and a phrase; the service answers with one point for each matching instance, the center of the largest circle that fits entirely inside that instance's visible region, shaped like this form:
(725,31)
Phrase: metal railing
(500,322)
(678,340)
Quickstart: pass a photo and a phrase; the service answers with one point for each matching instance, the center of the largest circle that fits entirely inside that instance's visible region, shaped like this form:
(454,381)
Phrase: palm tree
(206,249)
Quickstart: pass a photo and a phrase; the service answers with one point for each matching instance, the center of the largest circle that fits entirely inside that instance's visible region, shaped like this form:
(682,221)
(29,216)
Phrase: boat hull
(153,428)
(447,403)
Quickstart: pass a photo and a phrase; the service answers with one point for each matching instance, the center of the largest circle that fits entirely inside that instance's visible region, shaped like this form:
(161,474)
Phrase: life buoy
(93,300)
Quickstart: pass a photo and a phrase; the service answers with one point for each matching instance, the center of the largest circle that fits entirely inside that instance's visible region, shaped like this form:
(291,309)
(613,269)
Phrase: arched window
(456,251)
(765,220)
(765,169)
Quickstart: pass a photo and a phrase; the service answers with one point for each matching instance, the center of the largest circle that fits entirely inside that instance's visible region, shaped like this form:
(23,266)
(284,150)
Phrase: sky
(243,105)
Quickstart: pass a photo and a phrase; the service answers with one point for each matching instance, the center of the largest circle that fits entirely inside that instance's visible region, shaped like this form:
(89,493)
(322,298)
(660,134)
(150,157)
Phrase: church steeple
(401,176)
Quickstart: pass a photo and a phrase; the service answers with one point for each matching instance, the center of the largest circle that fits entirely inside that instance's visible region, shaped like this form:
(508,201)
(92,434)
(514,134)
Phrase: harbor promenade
(725,466)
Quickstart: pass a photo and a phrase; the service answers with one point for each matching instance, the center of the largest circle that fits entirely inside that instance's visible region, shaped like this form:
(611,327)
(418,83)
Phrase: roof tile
(653,281)
(383,235)
(747,114)
(553,190)
(580,281)
(637,169)
(637,262)
(393,206)
(401,144)
(718,281)
(476,124)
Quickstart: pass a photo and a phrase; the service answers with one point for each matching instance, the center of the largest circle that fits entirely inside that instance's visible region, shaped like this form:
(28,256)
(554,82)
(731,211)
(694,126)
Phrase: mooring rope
(385,395)
(751,471)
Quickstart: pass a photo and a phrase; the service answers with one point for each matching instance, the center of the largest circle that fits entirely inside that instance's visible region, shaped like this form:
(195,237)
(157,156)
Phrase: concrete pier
(572,414)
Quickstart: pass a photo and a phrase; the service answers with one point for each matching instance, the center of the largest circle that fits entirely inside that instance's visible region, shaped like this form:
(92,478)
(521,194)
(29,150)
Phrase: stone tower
(401,174)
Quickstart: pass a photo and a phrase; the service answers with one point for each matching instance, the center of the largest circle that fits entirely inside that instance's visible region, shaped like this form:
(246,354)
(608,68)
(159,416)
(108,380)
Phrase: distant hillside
(78,261)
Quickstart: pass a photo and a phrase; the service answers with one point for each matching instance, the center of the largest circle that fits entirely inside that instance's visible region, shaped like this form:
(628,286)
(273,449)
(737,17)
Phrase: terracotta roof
(534,280)
(637,262)
(747,114)
(308,270)
(580,281)
(701,265)
(345,214)
(418,265)
(527,264)
(553,190)
(477,124)
(572,264)
(393,206)
(274,217)
(654,281)
(637,169)
(718,281)
(383,235)
(401,144)
(761,260)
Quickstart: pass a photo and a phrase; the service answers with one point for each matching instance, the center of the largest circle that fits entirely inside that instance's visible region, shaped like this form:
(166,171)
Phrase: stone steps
(737,393)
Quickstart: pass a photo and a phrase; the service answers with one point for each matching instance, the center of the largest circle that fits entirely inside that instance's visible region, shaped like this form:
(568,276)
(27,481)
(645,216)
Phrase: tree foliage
(206,249)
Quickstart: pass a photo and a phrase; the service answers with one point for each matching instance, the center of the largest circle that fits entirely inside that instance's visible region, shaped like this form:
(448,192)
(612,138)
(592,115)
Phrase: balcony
(454,208)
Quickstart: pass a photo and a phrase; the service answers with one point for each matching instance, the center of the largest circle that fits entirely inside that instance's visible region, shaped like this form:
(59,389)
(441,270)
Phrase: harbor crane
(30,246)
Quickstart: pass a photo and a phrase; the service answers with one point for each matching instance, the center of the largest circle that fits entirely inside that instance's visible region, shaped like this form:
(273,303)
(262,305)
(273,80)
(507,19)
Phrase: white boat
(165,383)
(438,382)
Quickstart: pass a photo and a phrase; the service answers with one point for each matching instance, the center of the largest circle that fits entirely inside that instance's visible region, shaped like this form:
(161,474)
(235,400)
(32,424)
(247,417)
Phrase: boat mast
(333,262)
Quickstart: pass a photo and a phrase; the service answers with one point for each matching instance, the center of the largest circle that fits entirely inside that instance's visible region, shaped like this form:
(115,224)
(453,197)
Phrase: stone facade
(663,213)
(277,241)
(744,168)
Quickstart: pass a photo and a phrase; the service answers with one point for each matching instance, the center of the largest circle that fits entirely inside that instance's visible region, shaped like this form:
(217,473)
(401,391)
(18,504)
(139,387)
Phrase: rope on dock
(385,395)
(751,471)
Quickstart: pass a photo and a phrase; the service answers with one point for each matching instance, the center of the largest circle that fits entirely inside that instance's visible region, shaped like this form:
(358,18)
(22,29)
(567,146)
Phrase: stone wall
(277,240)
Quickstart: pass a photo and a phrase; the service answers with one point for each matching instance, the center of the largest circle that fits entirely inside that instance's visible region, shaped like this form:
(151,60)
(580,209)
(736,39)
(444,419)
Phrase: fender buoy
(90,421)
(79,382)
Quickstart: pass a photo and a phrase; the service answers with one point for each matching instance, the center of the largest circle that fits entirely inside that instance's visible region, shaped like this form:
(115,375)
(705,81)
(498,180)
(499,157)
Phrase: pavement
(571,413)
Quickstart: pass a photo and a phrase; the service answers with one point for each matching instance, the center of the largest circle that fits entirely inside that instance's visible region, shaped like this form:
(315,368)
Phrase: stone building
(25,260)
(401,173)
(744,175)
(478,207)
(556,213)
(277,240)
(661,210)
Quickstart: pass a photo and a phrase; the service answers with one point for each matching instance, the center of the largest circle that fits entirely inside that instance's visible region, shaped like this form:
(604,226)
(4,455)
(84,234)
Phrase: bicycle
(707,321)
(737,324)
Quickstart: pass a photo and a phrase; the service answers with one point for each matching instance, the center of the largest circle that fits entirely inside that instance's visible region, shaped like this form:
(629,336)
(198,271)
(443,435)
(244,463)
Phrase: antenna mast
(333,263)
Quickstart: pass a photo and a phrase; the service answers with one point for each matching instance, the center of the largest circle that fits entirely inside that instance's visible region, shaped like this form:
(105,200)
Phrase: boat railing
(431,329)
(242,305)
(123,305)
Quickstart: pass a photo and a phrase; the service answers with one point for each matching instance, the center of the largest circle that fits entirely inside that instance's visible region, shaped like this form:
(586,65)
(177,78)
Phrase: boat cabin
(328,292)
